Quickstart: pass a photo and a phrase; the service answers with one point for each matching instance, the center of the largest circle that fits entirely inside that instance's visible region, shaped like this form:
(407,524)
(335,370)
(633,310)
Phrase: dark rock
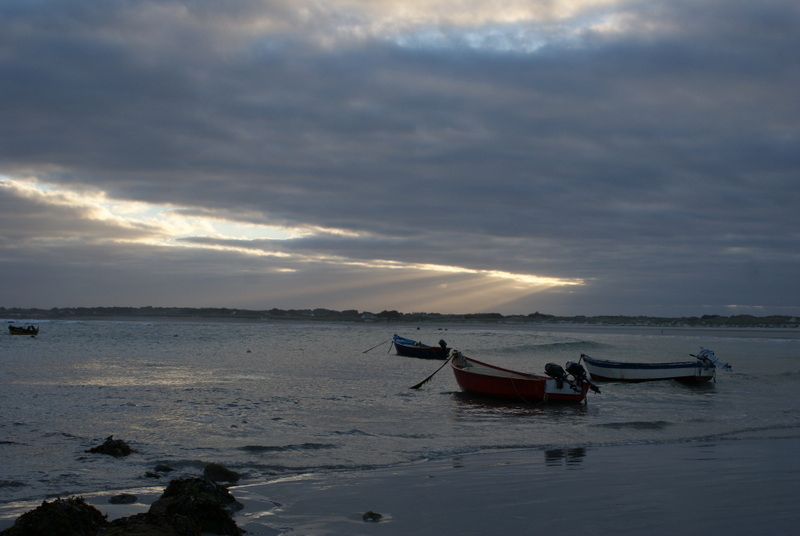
(208,515)
(123,498)
(220,473)
(372,517)
(61,517)
(151,474)
(113,447)
(204,488)
(206,503)
(161,468)
(148,524)
(188,507)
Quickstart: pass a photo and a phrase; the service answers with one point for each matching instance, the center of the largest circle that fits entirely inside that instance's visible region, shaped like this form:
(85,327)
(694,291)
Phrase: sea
(273,400)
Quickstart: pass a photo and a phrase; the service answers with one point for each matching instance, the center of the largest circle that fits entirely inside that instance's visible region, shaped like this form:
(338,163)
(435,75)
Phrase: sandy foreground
(741,486)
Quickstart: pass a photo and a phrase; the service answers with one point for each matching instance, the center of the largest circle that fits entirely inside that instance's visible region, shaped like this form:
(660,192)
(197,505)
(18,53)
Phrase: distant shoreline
(395,317)
(767,327)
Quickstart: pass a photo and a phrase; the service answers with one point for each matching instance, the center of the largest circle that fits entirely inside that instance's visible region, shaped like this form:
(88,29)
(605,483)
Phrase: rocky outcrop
(220,473)
(148,524)
(123,498)
(113,447)
(371,517)
(205,502)
(188,507)
(61,517)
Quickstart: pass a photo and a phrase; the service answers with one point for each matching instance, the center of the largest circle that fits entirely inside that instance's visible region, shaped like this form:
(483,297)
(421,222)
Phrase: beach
(688,488)
(740,486)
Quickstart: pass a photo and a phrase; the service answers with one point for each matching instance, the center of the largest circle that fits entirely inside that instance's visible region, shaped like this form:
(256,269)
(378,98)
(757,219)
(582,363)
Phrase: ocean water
(274,400)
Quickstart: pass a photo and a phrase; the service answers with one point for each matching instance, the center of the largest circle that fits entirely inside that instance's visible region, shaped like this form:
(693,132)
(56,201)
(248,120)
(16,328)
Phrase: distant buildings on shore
(352,315)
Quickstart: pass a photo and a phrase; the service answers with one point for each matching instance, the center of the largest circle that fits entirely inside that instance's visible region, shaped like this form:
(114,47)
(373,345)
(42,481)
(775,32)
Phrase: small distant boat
(412,348)
(29,330)
(702,370)
(481,378)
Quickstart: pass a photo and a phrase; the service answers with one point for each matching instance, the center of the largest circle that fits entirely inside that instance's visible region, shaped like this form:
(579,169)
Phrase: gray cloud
(656,161)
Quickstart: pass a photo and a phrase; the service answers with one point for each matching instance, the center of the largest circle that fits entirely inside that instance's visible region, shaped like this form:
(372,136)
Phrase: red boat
(481,378)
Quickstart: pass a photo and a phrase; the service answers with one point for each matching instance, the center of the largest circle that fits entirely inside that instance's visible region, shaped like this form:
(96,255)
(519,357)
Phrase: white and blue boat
(702,370)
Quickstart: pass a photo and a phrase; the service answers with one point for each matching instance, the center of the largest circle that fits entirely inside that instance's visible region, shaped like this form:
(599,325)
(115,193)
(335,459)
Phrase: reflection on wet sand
(568,457)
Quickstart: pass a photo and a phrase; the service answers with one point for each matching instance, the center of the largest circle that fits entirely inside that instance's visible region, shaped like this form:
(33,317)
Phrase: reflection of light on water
(104,373)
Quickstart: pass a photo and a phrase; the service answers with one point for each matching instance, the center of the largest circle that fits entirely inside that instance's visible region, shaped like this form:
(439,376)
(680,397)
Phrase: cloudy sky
(457,156)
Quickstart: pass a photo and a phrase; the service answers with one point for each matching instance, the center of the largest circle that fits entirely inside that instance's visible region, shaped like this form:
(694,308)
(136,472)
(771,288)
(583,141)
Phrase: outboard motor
(710,359)
(557,373)
(443,344)
(577,371)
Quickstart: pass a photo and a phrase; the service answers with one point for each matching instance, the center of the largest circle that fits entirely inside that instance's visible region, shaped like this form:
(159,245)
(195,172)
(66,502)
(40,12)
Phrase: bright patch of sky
(167,223)
(169,226)
(506,26)
(495,39)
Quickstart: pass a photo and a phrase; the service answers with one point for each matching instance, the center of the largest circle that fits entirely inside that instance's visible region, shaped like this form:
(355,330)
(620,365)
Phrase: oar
(365,351)
(426,380)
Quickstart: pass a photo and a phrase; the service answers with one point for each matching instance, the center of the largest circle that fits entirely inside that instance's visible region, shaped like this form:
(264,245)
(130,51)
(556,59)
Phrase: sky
(575,157)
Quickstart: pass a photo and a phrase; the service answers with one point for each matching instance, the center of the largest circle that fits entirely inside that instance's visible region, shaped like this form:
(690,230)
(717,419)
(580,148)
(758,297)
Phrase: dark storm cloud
(653,153)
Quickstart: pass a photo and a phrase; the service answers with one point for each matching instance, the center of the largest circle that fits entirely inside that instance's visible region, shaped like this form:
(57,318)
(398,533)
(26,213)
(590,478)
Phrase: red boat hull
(480,378)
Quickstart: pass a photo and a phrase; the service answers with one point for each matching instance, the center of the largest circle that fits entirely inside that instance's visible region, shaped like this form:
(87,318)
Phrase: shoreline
(731,486)
(354,316)
(776,332)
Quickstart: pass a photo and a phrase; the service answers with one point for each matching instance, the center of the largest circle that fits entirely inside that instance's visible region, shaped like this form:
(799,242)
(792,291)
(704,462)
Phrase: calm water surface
(271,400)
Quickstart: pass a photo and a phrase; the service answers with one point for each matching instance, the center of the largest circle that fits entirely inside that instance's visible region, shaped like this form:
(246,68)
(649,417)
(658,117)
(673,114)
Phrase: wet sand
(727,486)
(712,487)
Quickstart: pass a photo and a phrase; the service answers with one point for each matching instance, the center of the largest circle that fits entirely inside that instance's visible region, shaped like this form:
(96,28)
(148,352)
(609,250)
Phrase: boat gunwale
(506,373)
(422,345)
(666,365)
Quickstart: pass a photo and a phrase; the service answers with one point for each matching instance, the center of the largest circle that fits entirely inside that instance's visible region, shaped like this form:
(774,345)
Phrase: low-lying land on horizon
(352,315)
